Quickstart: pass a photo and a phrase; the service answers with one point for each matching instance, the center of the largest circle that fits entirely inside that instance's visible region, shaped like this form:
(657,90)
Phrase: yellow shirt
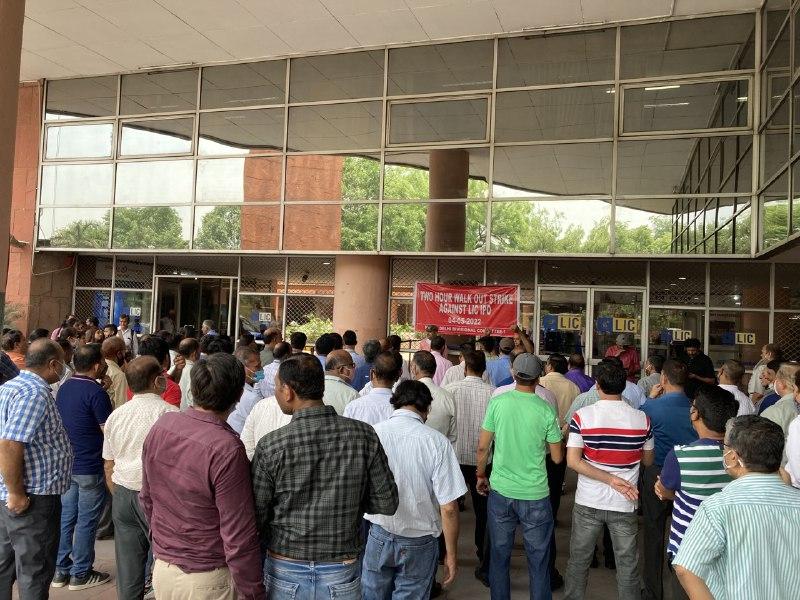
(118,392)
(563,389)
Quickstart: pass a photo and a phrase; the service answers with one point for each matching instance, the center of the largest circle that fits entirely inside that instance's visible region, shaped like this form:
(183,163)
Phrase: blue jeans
(81,507)
(300,580)
(536,518)
(397,567)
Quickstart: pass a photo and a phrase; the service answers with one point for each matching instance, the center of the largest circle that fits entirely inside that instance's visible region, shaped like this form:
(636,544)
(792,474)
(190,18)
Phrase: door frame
(590,291)
(232,328)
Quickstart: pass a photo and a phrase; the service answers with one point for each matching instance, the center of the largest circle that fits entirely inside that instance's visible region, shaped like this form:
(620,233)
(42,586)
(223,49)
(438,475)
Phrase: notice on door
(466,310)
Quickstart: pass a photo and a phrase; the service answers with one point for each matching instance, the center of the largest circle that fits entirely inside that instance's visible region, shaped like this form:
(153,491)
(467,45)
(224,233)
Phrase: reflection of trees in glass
(360,179)
(776,223)
(655,239)
(151,227)
(84,233)
(359,227)
(220,229)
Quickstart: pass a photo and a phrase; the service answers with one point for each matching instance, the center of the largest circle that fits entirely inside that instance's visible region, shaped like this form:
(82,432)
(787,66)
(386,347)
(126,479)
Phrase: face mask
(63,372)
(728,467)
(259,376)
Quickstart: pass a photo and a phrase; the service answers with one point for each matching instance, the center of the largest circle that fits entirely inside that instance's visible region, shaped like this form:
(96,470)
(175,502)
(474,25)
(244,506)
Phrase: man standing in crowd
(15,345)
(125,432)
(110,330)
(652,373)
(209,328)
(298,341)
(627,353)
(280,351)
(113,350)
(35,465)
(555,380)
(313,480)
(693,473)
(576,373)
(156,347)
(607,441)
(322,347)
(339,370)
(521,425)
(439,350)
(271,337)
(197,494)
(700,367)
(128,335)
(84,407)
(375,407)
(430,331)
(499,369)
(768,375)
(756,388)
(668,409)
(350,341)
(92,324)
(730,378)
(362,376)
(471,396)
(442,415)
(251,395)
(786,410)
(167,322)
(189,349)
(402,550)
(743,541)
(457,372)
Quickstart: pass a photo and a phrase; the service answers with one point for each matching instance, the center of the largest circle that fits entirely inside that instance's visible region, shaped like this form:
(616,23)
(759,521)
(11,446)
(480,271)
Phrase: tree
(220,229)
(152,227)
(84,233)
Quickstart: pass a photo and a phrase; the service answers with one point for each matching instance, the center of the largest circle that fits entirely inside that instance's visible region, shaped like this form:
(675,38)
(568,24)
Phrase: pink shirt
(442,364)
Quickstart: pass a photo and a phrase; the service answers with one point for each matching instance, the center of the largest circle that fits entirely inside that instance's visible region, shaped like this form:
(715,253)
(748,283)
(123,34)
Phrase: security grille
(592,272)
(311,275)
(407,271)
(787,289)
(461,271)
(93,303)
(226,266)
(522,272)
(93,271)
(677,284)
(744,285)
(787,334)
(134,274)
(263,274)
(261,310)
(313,315)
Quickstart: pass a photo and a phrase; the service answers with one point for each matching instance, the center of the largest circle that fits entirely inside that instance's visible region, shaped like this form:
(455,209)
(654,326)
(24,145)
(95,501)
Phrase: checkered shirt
(314,479)
(28,415)
(472,397)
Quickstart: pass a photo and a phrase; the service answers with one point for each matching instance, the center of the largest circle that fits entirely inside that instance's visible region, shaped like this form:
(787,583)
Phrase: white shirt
(372,408)
(338,394)
(754,385)
(267,385)
(426,472)
(442,365)
(68,372)
(745,406)
(185,384)
(442,413)
(124,434)
(130,339)
(541,391)
(472,397)
(793,452)
(457,373)
(265,417)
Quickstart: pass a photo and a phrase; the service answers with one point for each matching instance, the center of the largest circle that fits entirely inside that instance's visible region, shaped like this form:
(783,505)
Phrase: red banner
(466,309)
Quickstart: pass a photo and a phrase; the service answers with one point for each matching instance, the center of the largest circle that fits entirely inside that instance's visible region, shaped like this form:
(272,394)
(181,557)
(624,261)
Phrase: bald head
(113,347)
(189,348)
(340,364)
(45,358)
(141,374)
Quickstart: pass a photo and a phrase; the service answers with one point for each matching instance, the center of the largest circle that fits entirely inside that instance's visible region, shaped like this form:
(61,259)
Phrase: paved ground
(602,582)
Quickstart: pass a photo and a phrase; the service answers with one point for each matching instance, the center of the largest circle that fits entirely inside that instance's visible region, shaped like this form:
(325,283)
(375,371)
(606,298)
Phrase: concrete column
(448,178)
(12,14)
(361,295)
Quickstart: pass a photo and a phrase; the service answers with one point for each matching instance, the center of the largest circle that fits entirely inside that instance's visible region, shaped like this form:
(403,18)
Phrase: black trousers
(479,506)
(28,548)
(555,481)
(131,543)
(655,514)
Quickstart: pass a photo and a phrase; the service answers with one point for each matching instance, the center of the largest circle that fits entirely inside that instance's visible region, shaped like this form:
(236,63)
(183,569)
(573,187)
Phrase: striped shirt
(28,414)
(743,541)
(613,437)
(472,397)
(694,472)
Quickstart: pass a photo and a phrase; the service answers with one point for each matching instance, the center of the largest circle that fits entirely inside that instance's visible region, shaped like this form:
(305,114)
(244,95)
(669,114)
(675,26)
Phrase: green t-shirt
(523,424)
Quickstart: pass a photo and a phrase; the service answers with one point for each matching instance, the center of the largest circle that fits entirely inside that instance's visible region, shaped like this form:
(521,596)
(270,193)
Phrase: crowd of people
(266,469)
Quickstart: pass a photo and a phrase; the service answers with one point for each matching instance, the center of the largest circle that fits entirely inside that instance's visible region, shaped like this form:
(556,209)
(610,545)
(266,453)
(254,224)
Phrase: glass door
(617,317)
(562,321)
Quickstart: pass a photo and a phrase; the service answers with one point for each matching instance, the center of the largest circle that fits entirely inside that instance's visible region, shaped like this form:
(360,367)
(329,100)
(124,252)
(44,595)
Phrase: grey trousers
(587,523)
(28,548)
(131,543)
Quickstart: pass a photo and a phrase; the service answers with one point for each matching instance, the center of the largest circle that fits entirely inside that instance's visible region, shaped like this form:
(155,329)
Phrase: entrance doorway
(195,299)
(588,320)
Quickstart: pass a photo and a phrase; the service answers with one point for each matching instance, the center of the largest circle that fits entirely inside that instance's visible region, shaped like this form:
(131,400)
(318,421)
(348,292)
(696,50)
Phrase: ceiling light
(655,88)
(666,105)
(682,278)
(742,99)
(673,284)
(696,298)
(326,263)
(611,91)
(736,297)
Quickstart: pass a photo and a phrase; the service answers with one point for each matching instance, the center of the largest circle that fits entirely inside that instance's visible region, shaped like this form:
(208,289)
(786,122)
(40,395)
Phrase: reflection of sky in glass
(53,220)
(79,141)
(220,180)
(137,142)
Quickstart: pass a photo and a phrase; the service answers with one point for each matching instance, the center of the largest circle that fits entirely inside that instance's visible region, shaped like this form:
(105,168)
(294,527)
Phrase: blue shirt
(498,369)
(84,405)
(581,379)
(250,397)
(669,418)
(361,376)
(767,401)
(28,415)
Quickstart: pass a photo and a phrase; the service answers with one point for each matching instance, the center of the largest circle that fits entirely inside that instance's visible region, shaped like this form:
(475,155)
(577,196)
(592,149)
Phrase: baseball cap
(527,366)
(506,344)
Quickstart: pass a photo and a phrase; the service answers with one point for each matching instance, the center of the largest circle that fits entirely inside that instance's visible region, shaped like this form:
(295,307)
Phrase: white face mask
(729,467)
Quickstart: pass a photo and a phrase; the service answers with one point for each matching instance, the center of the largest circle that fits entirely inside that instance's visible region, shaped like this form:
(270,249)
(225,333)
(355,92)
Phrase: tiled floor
(602,584)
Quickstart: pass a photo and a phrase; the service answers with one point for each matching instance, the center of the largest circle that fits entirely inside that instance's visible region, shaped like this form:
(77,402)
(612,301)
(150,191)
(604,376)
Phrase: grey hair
(41,352)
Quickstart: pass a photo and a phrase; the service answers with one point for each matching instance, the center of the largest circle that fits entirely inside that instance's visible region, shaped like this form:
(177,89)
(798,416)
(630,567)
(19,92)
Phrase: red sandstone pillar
(361,295)
(448,178)
(12,14)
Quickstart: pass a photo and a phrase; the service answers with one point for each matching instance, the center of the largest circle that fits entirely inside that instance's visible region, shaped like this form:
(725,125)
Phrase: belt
(349,561)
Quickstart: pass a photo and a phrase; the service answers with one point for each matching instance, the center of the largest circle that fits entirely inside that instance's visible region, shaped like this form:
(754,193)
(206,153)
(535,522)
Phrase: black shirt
(701,365)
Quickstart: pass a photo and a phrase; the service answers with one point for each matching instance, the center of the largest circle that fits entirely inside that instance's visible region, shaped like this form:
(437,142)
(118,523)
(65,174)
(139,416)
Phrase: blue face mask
(259,376)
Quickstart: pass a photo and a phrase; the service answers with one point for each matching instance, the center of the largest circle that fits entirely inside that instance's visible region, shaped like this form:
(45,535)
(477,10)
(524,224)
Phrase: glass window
(561,114)
(133,274)
(438,174)
(217,227)
(796,114)
(438,121)
(677,106)
(249,84)
(255,311)
(79,141)
(651,167)
(775,212)
(152,228)
(261,226)
(78,185)
(741,232)
(134,303)
(669,328)
(70,228)
(165,91)
(241,132)
(564,226)
(744,285)
(350,126)
(263,274)
(333,177)
(796,197)
(157,136)
(787,287)
(687,46)
(775,141)
(644,226)
(552,170)
(441,68)
(336,76)
(559,58)
(333,227)
(155,182)
(86,97)
(233,180)
(94,303)
(737,335)
(454,227)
